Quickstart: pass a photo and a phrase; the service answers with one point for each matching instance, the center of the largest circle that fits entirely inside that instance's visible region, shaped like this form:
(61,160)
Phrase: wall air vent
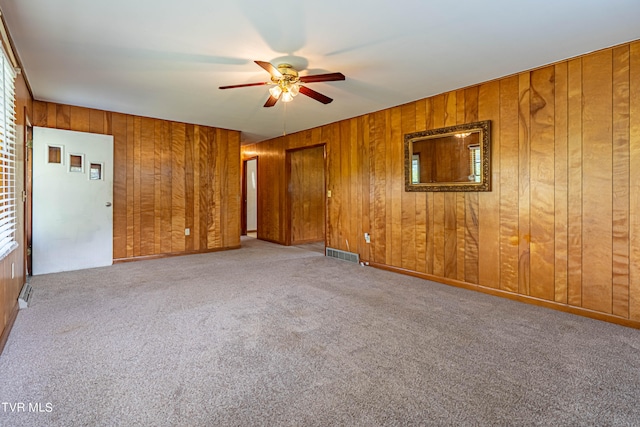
(343,255)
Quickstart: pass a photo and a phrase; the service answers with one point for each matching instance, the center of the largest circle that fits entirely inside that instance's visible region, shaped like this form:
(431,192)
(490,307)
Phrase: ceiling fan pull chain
(284,120)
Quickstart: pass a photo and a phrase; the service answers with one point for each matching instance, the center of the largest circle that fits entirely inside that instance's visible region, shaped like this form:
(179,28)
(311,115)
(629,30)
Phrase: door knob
(107,204)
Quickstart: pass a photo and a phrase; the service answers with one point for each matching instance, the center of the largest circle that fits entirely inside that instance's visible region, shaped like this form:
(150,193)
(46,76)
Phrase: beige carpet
(282,336)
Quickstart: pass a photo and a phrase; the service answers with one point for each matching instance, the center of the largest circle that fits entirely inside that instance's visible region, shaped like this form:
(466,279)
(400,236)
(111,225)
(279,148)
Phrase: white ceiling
(166,58)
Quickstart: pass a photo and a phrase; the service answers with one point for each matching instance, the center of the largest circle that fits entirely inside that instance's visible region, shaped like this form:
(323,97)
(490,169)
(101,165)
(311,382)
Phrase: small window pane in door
(55,154)
(95,171)
(75,162)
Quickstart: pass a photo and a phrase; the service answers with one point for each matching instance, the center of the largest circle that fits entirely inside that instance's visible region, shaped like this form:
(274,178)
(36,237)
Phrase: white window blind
(7,155)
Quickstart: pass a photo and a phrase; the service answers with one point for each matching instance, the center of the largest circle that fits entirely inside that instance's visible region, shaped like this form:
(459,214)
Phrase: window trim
(8,157)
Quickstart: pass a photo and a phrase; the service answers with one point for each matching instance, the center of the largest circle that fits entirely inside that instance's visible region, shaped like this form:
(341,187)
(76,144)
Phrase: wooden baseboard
(585,312)
(172,254)
(7,329)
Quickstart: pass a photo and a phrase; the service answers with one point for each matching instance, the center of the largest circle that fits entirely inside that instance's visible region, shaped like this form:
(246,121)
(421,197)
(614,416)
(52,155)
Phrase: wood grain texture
(378,153)
(489,254)
(306,195)
(394,197)
(561,182)
(597,197)
(471,202)
(120,186)
(561,222)
(542,185)
(408,222)
(634,177)
(438,205)
(524,202)
(574,117)
(157,177)
(621,187)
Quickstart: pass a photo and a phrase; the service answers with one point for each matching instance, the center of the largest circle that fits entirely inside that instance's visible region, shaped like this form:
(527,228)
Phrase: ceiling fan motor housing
(289,75)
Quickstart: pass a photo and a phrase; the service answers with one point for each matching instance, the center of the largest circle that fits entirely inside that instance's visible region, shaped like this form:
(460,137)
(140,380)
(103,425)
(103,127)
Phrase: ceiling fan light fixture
(294,89)
(287,96)
(275,91)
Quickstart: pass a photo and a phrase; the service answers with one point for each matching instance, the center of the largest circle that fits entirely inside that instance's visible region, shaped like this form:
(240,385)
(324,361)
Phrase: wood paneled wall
(561,226)
(10,286)
(168,176)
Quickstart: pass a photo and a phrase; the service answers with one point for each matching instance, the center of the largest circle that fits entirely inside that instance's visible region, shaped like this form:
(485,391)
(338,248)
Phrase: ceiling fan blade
(315,95)
(244,85)
(271,101)
(329,77)
(270,68)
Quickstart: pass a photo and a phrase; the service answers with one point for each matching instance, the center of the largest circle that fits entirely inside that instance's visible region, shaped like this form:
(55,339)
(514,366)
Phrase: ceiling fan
(286,83)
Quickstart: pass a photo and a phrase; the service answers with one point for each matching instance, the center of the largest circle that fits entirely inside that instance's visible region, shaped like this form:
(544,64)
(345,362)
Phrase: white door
(72,200)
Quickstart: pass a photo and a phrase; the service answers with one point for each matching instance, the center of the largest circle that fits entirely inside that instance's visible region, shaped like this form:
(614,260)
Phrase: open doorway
(250,198)
(306,208)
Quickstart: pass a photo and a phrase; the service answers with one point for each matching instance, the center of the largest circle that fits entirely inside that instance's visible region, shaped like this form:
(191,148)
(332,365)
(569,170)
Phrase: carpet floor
(268,335)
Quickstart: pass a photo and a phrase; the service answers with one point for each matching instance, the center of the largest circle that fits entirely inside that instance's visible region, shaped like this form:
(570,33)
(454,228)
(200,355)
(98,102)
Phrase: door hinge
(24,196)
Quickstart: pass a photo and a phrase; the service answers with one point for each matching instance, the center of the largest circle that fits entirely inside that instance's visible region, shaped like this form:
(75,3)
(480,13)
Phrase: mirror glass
(455,158)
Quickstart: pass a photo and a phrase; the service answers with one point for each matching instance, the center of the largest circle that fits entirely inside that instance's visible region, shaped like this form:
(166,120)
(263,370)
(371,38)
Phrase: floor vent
(343,255)
(25,296)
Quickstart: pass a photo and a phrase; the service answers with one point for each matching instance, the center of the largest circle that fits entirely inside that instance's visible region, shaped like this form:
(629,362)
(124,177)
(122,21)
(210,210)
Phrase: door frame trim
(243,205)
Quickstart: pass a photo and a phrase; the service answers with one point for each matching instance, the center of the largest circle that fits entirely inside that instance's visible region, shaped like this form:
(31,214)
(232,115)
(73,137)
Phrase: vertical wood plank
(523,182)
(166,172)
(408,125)
(79,119)
(471,203)
(597,219)
(222,198)
(52,115)
(574,275)
(177,187)
(397,184)
(621,188)
(542,196)
(157,186)
(461,198)
(634,176)
(130,185)
(196,187)
(189,190)
(355,212)
(205,188)
(214,220)
(489,203)
(421,198)
(451,214)
(366,169)
(119,186)
(137,179)
(438,200)
(561,182)
(233,190)
(98,121)
(147,187)
(429,208)
(378,149)
(40,111)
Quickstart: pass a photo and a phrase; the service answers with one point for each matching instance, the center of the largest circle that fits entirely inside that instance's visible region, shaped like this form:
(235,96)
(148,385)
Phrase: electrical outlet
(329,193)
(367,237)
(187,231)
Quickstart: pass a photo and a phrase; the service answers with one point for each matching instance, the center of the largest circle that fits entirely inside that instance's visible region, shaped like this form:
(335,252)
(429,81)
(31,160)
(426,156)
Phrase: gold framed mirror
(454,158)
